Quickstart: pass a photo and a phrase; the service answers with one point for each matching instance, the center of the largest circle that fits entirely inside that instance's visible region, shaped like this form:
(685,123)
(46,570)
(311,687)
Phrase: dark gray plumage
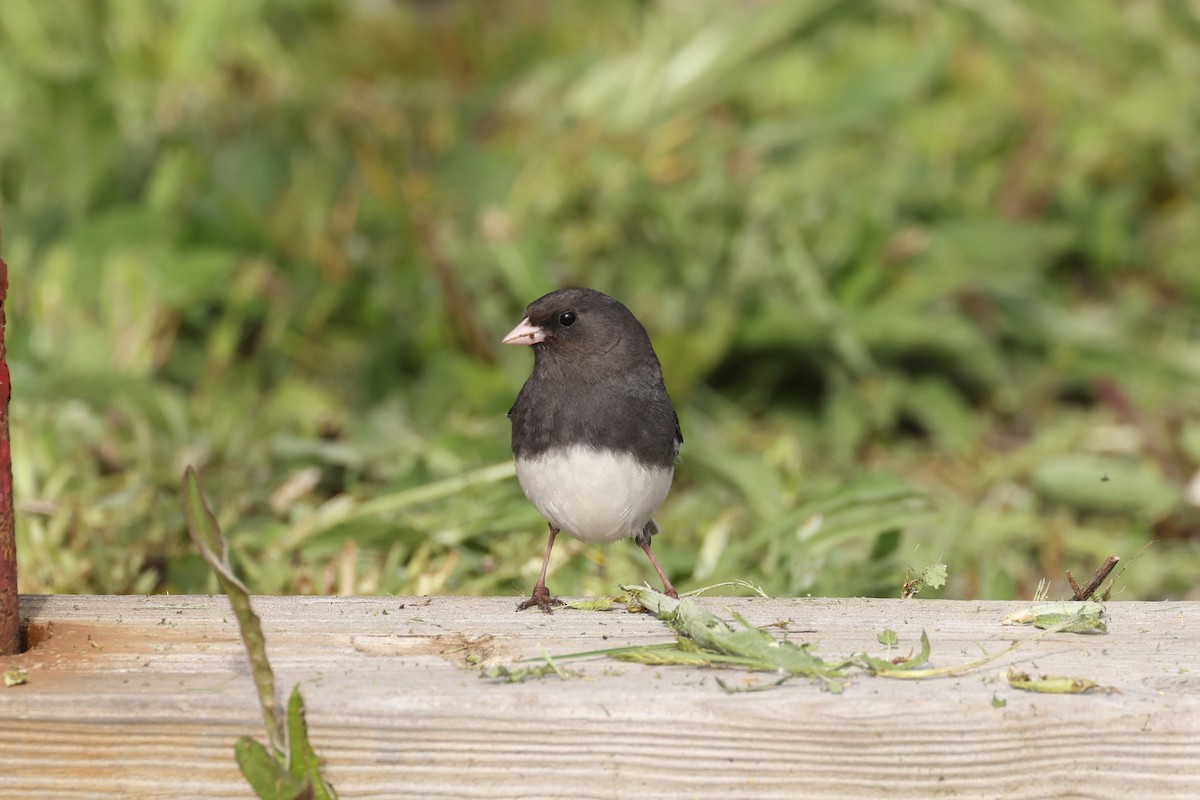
(595,382)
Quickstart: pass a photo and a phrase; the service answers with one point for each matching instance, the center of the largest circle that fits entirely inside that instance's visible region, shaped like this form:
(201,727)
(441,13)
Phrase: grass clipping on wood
(702,639)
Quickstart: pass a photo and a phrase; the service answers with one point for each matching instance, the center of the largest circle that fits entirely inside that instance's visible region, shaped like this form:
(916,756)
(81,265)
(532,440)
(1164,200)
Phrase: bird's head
(585,325)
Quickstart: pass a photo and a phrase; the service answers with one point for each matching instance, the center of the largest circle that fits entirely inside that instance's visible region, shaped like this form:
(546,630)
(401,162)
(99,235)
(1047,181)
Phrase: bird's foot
(542,599)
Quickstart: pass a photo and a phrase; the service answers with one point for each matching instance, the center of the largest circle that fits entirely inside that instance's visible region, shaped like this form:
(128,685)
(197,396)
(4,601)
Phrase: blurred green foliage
(922,276)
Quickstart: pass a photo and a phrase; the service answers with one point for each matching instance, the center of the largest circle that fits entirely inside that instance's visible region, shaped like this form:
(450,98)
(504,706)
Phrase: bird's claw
(542,599)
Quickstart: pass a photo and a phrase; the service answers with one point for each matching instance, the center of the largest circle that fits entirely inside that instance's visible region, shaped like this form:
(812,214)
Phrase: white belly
(592,495)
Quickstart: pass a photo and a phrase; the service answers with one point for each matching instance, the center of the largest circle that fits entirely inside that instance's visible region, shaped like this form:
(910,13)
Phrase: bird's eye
(566,319)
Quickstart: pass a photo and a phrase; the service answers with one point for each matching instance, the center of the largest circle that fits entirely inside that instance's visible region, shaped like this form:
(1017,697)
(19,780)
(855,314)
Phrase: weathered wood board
(144,697)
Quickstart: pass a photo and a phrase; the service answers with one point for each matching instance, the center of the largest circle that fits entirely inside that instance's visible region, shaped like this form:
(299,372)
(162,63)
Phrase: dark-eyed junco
(594,434)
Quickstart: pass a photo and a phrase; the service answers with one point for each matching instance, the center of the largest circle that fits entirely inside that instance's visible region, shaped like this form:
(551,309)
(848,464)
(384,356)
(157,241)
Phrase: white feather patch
(596,496)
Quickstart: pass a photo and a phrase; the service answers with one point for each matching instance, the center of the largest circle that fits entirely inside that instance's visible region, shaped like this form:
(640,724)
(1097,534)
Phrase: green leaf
(604,603)
(921,657)
(934,575)
(303,761)
(1051,684)
(897,665)
(267,775)
(200,522)
(888,637)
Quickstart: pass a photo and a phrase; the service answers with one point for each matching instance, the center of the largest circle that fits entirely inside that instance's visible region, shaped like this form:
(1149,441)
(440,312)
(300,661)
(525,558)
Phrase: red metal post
(10,617)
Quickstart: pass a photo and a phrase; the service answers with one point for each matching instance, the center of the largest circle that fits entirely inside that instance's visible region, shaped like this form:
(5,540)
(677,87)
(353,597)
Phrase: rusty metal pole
(10,617)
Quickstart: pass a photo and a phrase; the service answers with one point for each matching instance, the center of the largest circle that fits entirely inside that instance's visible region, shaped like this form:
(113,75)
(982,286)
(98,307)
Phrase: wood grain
(144,697)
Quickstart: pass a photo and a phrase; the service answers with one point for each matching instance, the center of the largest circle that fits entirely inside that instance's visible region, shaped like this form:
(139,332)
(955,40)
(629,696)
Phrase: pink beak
(525,333)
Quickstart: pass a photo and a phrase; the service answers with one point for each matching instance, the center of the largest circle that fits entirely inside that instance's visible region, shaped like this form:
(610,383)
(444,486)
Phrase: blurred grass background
(922,275)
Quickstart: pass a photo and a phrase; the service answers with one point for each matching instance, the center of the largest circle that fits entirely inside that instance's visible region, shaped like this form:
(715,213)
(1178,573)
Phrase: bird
(595,437)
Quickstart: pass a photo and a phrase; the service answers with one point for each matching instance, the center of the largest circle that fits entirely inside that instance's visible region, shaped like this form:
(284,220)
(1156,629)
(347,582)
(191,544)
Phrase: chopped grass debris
(1080,617)
(1054,684)
(702,639)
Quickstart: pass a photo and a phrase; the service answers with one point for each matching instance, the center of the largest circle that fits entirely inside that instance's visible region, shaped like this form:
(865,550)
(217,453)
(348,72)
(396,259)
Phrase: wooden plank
(144,697)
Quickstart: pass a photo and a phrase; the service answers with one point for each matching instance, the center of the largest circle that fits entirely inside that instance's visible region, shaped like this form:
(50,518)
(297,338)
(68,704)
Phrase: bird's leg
(541,595)
(643,540)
